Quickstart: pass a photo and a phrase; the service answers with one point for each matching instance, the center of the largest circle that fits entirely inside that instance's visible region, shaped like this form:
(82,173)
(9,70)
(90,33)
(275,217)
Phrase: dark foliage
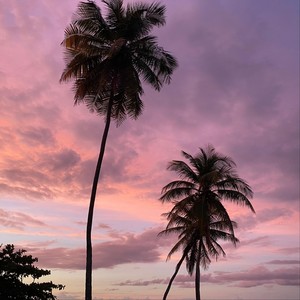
(15,266)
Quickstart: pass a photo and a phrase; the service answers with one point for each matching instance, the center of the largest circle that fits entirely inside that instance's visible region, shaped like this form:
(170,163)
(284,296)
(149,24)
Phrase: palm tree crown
(108,56)
(209,176)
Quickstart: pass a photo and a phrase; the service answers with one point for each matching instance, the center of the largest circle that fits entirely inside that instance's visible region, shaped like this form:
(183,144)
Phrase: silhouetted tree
(14,267)
(107,57)
(199,216)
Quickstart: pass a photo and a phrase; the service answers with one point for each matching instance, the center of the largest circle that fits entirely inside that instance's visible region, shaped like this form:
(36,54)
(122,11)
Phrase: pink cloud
(37,136)
(42,193)
(290,250)
(124,248)
(142,282)
(261,241)
(250,221)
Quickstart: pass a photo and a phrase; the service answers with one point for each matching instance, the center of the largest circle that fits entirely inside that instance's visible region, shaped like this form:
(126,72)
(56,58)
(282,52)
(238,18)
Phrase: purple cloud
(284,262)
(36,136)
(257,276)
(250,221)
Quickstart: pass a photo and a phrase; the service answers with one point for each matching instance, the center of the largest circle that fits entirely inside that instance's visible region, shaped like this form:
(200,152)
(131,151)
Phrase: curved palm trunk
(197,277)
(88,276)
(174,275)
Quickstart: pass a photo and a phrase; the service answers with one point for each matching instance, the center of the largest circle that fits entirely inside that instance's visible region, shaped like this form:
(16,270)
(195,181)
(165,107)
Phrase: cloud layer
(236,87)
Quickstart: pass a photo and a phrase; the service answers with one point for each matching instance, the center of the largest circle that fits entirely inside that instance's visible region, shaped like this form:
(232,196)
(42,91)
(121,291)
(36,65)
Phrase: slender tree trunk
(174,275)
(176,271)
(197,277)
(88,276)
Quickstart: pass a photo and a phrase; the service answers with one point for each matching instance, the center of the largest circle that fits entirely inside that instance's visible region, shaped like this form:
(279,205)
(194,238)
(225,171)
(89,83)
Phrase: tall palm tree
(108,56)
(198,196)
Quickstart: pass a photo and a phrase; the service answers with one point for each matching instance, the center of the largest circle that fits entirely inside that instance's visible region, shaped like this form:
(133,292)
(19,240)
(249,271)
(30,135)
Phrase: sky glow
(236,87)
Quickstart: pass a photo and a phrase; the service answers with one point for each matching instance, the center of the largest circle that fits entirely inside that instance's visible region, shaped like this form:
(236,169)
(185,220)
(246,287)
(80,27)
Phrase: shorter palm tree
(199,216)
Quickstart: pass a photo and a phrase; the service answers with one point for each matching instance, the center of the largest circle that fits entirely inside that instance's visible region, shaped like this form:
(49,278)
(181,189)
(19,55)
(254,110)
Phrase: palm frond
(146,72)
(141,18)
(116,13)
(232,181)
(151,14)
(176,195)
(85,44)
(236,197)
(177,189)
(183,170)
(89,19)
(149,56)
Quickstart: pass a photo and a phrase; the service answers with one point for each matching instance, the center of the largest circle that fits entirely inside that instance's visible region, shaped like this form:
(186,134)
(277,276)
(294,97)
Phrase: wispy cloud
(18,220)
(257,276)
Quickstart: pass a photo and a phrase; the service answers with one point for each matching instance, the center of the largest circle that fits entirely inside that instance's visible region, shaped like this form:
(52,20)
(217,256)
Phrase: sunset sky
(236,88)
